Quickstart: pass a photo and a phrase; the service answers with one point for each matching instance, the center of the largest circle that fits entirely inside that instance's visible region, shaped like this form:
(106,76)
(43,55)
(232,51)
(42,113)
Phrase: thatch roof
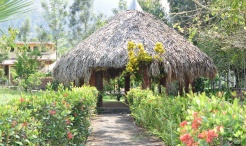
(107,49)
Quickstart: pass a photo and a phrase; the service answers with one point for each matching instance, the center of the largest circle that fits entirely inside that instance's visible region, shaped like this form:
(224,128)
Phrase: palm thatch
(107,49)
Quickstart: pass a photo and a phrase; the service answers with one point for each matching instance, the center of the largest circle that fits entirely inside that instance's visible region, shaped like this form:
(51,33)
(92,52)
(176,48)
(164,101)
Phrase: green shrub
(161,115)
(205,121)
(214,121)
(55,118)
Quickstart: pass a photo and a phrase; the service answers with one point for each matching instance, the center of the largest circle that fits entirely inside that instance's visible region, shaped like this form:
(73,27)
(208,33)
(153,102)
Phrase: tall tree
(80,17)
(121,7)
(24,30)
(218,28)
(154,7)
(6,43)
(55,14)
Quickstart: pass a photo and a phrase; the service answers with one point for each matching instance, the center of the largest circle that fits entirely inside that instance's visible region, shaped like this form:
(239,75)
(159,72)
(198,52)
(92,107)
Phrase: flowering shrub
(138,56)
(195,120)
(213,121)
(55,118)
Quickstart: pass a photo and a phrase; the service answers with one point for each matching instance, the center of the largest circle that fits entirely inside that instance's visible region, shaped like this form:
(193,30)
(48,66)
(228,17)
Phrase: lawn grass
(112,98)
(6,95)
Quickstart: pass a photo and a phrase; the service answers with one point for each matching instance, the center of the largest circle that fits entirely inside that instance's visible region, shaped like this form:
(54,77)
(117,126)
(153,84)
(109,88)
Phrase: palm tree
(9,9)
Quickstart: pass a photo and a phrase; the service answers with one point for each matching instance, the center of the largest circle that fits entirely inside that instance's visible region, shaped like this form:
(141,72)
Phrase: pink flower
(202,135)
(195,114)
(208,135)
(52,112)
(184,123)
(68,122)
(22,100)
(196,123)
(187,139)
(211,135)
(69,135)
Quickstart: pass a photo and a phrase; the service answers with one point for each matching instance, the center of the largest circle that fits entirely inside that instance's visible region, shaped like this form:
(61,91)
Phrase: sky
(100,6)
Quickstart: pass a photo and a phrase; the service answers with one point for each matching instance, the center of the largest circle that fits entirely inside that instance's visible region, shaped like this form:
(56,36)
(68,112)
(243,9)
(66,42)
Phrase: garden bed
(54,118)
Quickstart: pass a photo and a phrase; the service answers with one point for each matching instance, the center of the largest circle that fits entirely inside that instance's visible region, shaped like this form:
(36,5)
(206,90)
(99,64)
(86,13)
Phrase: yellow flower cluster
(131,45)
(137,55)
(159,48)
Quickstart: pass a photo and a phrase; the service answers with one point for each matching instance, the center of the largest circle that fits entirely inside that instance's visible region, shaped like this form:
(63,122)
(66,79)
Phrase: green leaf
(19,143)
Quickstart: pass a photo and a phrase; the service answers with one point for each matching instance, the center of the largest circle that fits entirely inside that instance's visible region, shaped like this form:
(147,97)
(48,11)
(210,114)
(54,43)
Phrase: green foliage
(10,8)
(55,13)
(24,30)
(55,118)
(121,7)
(6,43)
(154,7)
(161,115)
(214,121)
(79,20)
(138,56)
(205,121)
(26,68)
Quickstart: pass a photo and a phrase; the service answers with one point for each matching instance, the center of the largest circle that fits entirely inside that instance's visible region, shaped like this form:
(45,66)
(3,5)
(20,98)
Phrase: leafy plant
(55,118)
(213,121)
(160,114)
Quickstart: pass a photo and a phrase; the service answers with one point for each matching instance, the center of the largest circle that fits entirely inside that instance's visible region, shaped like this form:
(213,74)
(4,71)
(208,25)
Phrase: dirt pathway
(119,130)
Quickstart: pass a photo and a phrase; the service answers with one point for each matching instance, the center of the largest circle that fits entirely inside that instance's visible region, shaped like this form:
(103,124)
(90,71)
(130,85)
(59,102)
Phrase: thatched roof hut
(106,50)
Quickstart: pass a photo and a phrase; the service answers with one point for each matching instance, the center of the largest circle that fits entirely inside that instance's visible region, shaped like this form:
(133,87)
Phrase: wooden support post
(146,79)
(127,83)
(194,86)
(163,82)
(181,87)
(96,80)
(187,83)
(99,80)
(81,82)
(92,81)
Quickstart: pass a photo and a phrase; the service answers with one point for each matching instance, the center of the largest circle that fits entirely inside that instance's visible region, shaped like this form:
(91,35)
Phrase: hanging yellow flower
(137,55)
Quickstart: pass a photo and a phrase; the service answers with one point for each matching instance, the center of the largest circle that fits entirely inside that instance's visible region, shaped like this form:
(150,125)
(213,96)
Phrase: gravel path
(119,130)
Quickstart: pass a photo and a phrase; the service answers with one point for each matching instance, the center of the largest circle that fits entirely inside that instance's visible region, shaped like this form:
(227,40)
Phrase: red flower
(22,100)
(25,124)
(13,123)
(210,135)
(202,135)
(69,135)
(187,139)
(184,123)
(195,114)
(196,123)
(68,122)
(52,112)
